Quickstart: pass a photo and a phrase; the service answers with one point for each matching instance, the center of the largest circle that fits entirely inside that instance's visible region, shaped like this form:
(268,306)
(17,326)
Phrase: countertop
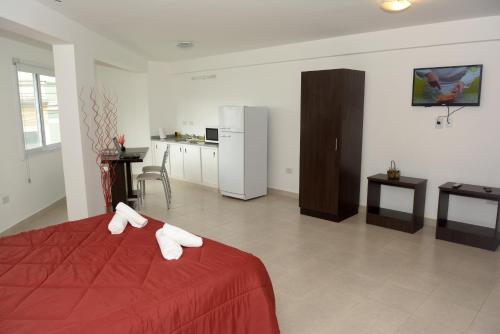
(183,142)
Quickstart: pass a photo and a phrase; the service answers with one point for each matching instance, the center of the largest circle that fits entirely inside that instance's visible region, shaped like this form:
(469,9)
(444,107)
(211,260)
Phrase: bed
(78,278)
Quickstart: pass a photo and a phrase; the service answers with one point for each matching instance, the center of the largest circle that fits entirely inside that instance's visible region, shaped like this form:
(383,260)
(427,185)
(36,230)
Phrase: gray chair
(155,173)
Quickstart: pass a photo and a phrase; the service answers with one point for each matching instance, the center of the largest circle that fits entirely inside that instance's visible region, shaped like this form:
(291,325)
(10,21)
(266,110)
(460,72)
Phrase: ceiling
(152,27)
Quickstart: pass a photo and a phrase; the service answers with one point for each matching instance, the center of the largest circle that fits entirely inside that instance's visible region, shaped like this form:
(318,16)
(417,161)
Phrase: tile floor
(340,278)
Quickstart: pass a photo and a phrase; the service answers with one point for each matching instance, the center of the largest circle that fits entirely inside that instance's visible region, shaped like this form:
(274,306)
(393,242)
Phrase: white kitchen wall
(46,171)
(393,129)
(131,91)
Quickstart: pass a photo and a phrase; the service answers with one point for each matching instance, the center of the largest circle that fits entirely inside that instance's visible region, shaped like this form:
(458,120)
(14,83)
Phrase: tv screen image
(447,86)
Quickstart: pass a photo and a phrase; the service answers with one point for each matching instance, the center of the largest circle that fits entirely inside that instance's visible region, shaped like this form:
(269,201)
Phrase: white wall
(393,129)
(46,171)
(131,92)
(162,110)
(76,49)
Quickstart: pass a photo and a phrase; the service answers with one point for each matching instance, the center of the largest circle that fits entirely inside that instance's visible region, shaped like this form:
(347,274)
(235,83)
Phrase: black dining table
(122,190)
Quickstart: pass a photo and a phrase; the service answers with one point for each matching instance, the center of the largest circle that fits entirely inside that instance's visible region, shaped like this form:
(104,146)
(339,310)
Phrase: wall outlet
(440,122)
(288,170)
(184,122)
(5,200)
(191,123)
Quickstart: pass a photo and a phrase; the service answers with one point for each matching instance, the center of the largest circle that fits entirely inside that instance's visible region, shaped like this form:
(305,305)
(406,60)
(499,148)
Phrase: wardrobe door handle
(336,144)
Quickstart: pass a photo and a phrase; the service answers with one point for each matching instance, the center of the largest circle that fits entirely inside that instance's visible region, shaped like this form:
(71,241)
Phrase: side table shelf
(397,220)
(463,233)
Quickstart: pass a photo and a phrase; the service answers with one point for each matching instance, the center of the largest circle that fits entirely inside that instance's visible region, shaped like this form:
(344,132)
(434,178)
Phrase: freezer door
(231,163)
(231,119)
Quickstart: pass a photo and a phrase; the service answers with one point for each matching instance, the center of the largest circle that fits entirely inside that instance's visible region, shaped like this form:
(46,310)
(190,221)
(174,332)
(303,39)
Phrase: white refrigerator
(243,151)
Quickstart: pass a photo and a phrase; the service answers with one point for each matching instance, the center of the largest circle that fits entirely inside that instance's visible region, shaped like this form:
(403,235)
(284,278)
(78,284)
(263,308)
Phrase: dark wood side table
(463,233)
(122,190)
(397,220)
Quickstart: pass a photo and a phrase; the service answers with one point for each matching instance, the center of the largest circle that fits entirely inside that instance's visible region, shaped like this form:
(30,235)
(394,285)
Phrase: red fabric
(78,278)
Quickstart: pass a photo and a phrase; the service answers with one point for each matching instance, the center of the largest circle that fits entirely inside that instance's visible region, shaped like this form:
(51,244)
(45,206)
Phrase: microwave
(212,135)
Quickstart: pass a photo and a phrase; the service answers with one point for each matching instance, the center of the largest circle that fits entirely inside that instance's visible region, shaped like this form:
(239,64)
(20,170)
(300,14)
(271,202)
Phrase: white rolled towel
(184,238)
(117,224)
(169,248)
(135,219)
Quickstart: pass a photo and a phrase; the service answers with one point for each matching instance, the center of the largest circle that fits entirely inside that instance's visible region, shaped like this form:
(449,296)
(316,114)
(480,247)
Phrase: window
(39,109)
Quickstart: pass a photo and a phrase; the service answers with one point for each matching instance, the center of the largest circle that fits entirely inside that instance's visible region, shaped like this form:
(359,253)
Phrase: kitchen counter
(183,141)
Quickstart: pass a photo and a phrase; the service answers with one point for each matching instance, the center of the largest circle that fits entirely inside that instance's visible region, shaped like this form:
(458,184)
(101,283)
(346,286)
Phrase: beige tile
(439,312)
(420,325)
(470,296)
(401,298)
(369,317)
(415,280)
(485,324)
(492,304)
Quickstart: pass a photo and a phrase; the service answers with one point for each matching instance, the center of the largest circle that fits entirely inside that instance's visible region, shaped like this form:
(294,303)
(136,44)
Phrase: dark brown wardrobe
(331,133)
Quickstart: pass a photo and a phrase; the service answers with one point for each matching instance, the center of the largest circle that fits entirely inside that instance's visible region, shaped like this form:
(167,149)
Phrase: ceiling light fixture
(394,6)
(184,44)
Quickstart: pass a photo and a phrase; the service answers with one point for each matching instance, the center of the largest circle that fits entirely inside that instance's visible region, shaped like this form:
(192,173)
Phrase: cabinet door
(231,119)
(232,163)
(192,163)
(209,166)
(160,148)
(320,142)
(176,161)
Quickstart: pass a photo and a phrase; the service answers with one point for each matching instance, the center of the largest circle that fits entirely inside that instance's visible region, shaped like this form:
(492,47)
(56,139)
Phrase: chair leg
(169,191)
(143,190)
(139,193)
(167,180)
(166,192)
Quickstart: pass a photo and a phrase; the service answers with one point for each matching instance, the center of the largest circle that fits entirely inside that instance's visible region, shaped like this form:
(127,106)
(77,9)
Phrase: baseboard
(275,191)
(38,213)
(44,210)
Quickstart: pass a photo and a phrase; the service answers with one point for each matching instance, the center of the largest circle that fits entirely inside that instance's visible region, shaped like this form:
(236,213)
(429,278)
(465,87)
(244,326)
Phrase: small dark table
(122,190)
(463,233)
(397,220)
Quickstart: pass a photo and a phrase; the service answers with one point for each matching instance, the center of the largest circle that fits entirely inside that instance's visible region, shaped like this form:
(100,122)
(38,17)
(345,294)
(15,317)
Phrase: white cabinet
(192,163)
(177,161)
(209,166)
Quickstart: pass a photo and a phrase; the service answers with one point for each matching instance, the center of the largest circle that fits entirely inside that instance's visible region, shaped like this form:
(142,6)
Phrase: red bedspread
(78,278)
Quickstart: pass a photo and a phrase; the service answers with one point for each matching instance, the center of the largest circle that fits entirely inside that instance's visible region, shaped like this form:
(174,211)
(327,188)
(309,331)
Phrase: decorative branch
(103,121)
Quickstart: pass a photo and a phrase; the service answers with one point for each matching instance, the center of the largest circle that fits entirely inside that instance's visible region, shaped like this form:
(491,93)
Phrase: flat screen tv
(447,86)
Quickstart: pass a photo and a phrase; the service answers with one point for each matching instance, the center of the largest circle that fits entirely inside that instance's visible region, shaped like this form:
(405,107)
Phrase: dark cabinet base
(395,220)
(461,232)
(467,234)
(328,216)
